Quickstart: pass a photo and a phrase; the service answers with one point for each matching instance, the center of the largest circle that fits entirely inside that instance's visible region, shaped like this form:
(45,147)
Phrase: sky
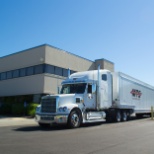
(121,31)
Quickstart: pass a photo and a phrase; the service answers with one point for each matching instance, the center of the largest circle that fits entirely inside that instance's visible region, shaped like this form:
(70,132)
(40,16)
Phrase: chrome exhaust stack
(98,89)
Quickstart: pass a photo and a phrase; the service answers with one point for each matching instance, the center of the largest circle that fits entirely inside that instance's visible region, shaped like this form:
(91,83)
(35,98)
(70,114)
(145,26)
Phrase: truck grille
(49,105)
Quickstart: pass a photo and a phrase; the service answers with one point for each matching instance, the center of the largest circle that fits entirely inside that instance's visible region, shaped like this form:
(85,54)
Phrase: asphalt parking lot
(23,135)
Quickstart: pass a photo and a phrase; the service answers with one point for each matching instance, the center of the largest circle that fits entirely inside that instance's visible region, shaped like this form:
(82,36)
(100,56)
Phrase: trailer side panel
(132,93)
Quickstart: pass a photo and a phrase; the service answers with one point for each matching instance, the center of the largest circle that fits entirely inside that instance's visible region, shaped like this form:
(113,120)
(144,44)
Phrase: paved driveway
(16,121)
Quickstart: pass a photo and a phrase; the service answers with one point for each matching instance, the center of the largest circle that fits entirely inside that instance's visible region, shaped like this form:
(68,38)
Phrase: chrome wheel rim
(75,120)
(124,116)
(118,117)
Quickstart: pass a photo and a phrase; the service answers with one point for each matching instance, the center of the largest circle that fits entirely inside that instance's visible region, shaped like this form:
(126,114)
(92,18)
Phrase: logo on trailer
(136,93)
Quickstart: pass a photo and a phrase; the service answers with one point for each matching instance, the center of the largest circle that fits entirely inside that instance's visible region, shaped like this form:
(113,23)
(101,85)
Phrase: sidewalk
(16,121)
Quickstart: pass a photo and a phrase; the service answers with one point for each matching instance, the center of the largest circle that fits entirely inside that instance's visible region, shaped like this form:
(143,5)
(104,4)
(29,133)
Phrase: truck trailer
(95,96)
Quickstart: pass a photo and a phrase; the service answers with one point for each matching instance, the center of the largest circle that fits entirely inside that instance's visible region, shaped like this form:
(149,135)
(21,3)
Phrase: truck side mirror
(93,88)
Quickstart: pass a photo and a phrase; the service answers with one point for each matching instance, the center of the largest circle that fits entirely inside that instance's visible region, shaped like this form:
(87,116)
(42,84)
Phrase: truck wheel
(124,116)
(118,116)
(108,117)
(74,119)
(128,116)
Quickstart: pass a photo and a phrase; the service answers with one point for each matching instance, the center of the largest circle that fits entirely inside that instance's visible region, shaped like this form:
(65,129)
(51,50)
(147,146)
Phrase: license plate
(47,118)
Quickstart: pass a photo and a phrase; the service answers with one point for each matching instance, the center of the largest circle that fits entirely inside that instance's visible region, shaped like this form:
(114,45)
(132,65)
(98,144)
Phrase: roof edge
(105,60)
(45,44)
(22,51)
(68,52)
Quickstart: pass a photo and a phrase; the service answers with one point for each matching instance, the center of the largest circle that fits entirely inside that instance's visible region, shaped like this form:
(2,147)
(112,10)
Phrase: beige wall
(108,66)
(51,83)
(104,64)
(66,60)
(22,86)
(22,59)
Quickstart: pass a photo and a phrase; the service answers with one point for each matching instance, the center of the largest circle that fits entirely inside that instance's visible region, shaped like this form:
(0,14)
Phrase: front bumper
(51,119)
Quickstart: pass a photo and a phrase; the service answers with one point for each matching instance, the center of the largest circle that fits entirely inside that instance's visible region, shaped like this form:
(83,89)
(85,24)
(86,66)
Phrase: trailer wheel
(139,116)
(74,119)
(124,116)
(109,117)
(118,116)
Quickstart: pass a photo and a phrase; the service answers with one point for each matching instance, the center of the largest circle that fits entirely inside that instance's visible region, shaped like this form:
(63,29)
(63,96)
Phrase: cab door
(106,90)
(90,96)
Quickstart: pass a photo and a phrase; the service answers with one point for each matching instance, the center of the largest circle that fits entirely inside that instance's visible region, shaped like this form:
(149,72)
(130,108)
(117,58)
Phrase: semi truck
(95,96)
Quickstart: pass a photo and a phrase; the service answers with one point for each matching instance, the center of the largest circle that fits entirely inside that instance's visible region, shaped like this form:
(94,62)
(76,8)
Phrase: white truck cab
(78,101)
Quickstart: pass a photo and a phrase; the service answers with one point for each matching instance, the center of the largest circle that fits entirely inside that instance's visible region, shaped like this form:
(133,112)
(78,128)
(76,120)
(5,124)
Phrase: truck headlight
(63,109)
(60,109)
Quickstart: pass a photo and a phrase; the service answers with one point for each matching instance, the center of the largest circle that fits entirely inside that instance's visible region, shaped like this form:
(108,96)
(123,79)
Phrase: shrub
(31,109)
(18,109)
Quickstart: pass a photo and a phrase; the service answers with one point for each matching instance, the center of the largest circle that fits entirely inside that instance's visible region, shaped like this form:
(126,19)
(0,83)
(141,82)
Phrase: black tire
(117,116)
(139,116)
(128,116)
(74,119)
(108,117)
(124,116)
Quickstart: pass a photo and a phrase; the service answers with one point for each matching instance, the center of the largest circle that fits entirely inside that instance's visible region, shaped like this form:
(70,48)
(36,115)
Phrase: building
(29,74)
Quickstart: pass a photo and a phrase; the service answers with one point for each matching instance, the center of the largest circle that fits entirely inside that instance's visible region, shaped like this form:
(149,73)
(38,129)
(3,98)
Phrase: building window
(58,71)
(65,72)
(9,75)
(30,71)
(22,72)
(15,73)
(3,76)
(49,69)
(39,69)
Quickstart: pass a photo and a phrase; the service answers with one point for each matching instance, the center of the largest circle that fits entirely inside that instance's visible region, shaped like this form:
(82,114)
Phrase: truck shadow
(37,128)
(65,127)
(55,128)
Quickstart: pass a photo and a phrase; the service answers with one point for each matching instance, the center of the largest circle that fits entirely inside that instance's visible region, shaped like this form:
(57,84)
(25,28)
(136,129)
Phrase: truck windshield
(73,88)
